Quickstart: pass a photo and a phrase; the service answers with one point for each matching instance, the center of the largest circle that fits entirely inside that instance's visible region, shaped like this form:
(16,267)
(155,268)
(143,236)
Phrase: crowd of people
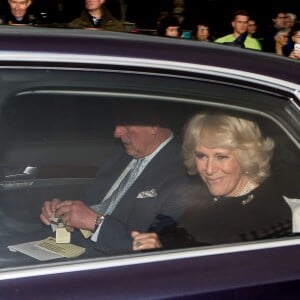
(281,37)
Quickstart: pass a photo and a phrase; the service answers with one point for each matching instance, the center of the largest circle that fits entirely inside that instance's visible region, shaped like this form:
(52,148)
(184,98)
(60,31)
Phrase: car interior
(55,134)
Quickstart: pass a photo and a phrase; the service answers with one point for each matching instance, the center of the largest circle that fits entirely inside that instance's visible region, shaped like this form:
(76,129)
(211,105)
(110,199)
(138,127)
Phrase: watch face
(99,220)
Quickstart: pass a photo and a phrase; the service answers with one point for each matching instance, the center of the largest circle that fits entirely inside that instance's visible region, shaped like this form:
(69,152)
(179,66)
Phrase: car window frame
(275,116)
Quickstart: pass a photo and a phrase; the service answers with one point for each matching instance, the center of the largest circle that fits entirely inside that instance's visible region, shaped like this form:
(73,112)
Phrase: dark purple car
(58,87)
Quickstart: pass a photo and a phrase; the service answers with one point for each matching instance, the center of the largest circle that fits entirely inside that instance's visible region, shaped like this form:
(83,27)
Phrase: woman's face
(172,31)
(202,33)
(220,170)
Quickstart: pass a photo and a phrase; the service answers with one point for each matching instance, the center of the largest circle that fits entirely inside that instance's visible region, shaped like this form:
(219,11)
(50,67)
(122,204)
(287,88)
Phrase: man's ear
(29,3)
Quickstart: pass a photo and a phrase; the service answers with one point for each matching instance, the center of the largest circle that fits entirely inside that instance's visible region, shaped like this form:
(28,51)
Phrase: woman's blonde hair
(217,130)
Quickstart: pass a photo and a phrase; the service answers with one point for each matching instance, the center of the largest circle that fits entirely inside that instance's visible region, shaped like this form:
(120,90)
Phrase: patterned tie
(108,205)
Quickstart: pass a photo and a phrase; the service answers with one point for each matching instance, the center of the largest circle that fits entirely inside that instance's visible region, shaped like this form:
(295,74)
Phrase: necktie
(108,205)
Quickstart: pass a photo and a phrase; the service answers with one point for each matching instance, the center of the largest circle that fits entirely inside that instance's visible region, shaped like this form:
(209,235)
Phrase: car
(58,90)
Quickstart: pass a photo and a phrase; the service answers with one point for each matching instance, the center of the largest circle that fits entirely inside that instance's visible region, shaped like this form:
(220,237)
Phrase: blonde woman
(235,199)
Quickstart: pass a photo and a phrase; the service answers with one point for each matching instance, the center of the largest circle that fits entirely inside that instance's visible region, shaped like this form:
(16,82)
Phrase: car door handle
(28,173)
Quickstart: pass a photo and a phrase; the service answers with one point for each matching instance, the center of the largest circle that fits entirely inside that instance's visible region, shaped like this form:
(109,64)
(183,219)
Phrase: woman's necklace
(248,187)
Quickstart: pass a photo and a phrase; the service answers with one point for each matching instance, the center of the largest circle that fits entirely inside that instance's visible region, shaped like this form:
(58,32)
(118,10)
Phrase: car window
(56,135)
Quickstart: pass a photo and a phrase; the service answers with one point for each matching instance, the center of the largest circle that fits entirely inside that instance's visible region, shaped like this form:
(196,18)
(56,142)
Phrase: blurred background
(144,13)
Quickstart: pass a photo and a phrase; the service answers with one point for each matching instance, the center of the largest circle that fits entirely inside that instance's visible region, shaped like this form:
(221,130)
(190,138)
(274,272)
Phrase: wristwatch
(98,222)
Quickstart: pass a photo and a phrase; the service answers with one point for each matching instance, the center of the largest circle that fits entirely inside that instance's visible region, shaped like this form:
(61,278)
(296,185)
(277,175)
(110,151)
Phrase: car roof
(119,44)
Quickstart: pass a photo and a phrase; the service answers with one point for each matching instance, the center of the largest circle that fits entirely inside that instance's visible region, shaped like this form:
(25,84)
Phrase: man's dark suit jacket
(164,176)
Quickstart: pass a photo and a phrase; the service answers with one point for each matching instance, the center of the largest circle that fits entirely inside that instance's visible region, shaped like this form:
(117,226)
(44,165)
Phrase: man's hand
(75,214)
(48,210)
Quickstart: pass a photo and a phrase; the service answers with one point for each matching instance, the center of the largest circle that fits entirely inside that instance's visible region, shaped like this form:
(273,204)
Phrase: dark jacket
(164,177)
(9,19)
(261,214)
(107,22)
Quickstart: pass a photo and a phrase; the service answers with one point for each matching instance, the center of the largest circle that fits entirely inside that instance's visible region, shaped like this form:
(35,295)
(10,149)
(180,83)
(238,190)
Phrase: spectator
(19,13)
(239,24)
(290,20)
(168,26)
(280,42)
(96,15)
(253,30)
(252,27)
(290,23)
(278,22)
(295,34)
(203,32)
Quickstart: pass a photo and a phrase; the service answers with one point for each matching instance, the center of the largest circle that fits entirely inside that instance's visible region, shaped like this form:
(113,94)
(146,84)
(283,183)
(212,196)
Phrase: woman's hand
(144,241)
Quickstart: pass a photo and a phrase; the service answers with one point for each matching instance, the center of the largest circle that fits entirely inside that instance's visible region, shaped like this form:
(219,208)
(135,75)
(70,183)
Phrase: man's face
(139,141)
(19,8)
(240,24)
(279,21)
(93,4)
(251,27)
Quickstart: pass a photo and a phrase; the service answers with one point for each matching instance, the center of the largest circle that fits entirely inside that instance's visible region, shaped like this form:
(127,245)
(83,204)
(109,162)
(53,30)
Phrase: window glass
(53,141)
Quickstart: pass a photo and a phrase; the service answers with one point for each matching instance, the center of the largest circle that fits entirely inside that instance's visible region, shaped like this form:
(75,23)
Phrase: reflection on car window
(49,117)
(129,175)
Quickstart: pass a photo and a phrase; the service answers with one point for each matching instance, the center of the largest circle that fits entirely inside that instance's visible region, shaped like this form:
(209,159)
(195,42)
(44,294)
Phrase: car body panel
(165,275)
(43,40)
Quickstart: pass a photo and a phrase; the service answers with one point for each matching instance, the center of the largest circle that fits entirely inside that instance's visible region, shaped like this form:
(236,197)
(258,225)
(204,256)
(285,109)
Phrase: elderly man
(19,13)
(96,15)
(133,191)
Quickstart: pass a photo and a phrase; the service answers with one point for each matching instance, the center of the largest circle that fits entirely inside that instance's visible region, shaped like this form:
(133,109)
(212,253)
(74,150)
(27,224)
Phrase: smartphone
(297,47)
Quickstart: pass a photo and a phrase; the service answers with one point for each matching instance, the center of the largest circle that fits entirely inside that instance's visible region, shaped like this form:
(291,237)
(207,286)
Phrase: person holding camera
(295,34)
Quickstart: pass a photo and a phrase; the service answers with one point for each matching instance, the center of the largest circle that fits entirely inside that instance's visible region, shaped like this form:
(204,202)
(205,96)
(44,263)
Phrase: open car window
(56,134)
